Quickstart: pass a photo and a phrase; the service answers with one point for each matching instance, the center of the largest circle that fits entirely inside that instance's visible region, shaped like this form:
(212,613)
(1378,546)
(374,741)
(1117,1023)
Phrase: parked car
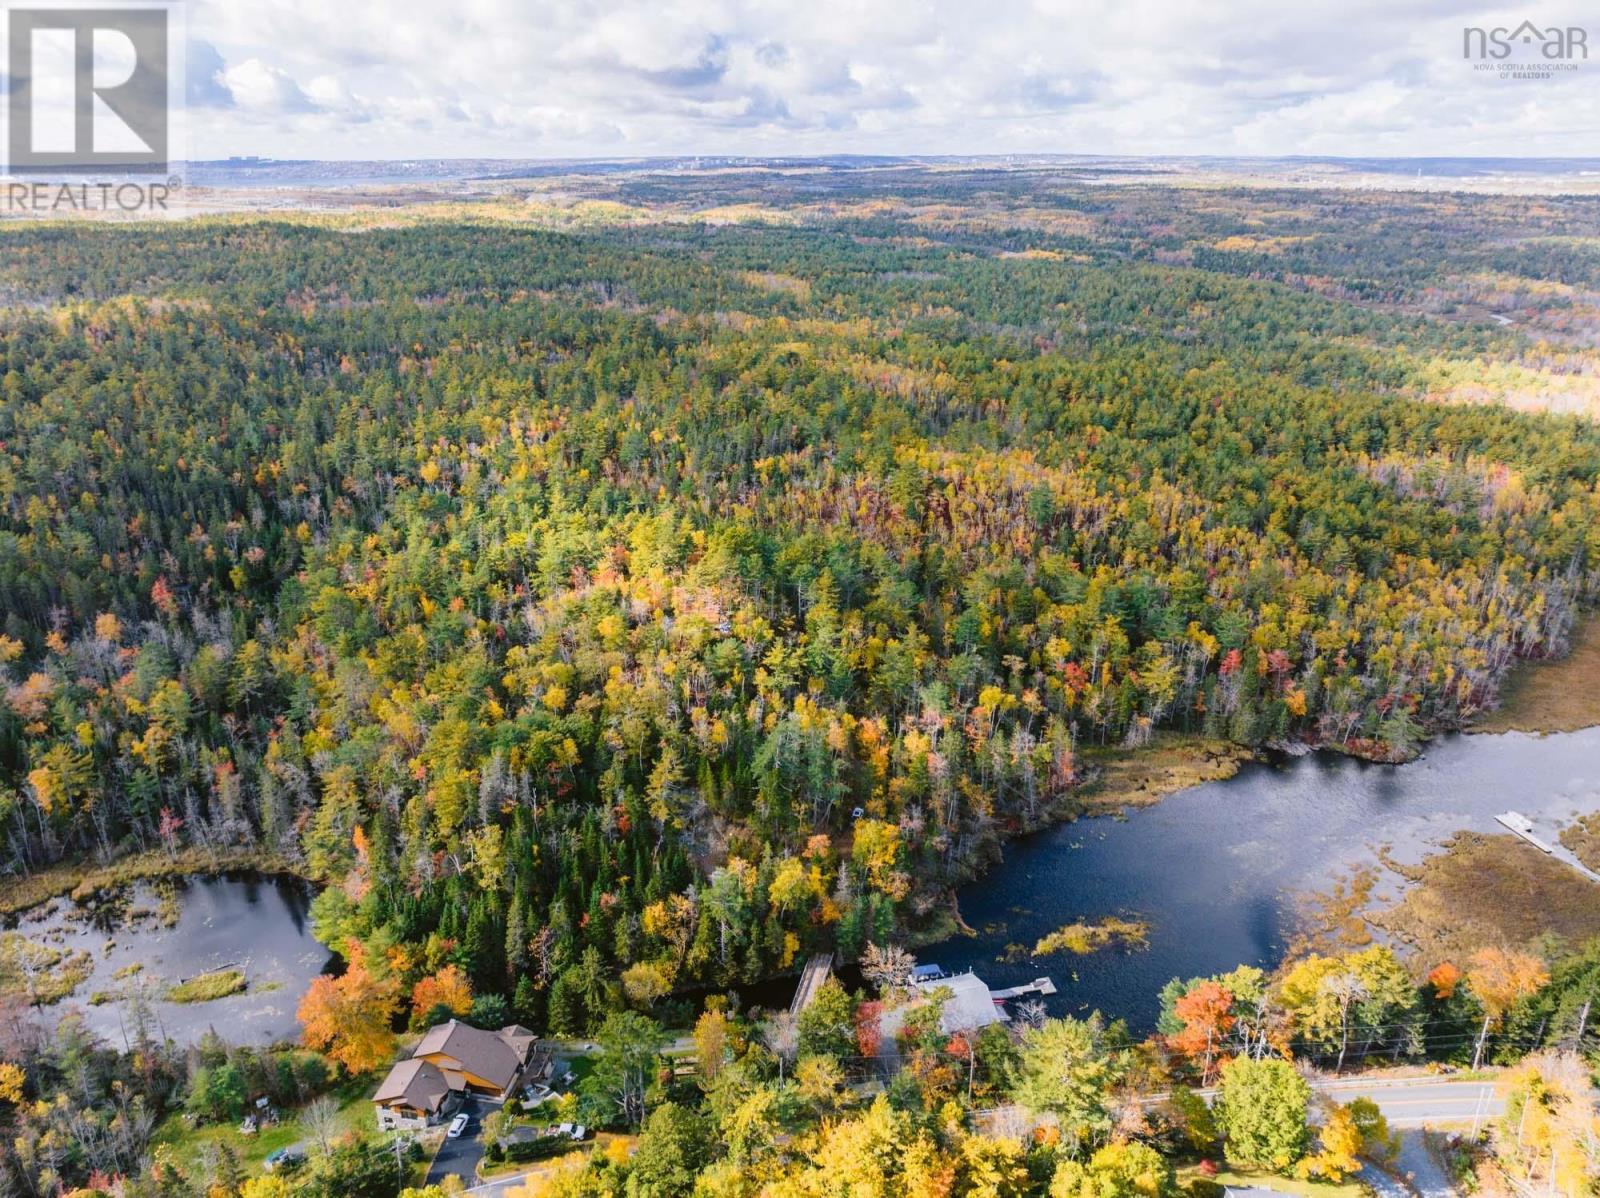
(457,1126)
(285,1159)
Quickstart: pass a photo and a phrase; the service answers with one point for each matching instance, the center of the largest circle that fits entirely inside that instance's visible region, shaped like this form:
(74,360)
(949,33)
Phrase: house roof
(520,1039)
(970,1005)
(493,1056)
(416,1084)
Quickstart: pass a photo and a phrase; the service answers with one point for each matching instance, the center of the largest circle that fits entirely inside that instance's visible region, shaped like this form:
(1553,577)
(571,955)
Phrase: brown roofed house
(489,1062)
(415,1095)
(451,1060)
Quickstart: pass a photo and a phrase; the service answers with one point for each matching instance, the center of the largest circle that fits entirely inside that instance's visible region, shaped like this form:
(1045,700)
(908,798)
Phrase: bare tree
(321,1120)
(781,1034)
(1032,1013)
(887,966)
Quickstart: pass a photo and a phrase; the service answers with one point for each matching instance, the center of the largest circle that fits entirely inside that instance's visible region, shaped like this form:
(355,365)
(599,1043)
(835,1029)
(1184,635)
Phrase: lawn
(188,1144)
(1233,1177)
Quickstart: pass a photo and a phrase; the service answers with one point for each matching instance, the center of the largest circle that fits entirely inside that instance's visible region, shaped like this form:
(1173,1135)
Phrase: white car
(457,1126)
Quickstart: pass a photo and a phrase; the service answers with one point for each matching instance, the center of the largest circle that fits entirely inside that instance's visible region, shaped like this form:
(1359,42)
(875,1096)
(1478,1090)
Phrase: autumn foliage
(448,988)
(349,1017)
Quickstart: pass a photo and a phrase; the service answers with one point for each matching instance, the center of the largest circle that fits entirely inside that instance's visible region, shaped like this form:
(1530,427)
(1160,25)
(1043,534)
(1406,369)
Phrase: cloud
(203,83)
(572,77)
(263,89)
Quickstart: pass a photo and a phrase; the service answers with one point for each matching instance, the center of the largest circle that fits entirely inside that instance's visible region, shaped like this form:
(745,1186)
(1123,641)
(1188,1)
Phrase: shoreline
(20,893)
(1550,695)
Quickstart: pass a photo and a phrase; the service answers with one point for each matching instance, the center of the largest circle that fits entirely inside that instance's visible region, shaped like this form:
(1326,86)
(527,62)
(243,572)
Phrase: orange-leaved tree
(448,988)
(349,1017)
(1206,1012)
(1499,979)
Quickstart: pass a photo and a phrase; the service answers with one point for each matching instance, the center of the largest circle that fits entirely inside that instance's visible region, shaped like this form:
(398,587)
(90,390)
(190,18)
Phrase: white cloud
(263,89)
(573,77)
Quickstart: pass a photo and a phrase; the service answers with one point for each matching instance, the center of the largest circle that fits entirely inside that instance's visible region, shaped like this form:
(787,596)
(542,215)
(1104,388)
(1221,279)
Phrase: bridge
(818,969)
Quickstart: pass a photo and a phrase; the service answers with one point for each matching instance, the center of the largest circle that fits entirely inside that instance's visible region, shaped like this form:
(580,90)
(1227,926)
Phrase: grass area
(582,1066)
(81,879)
(189,1144)
(610,1142)
(39,972)
(207,986)
(1231,1177)
(1583,838)
(1489,890)
(1552,696)
(1171,762)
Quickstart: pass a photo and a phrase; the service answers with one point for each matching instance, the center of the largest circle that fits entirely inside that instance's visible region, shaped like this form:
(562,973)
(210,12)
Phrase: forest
(647,603)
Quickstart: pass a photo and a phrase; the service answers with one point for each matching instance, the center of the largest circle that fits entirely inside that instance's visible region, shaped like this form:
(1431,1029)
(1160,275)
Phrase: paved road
(1406,1102)
(1415,1102)
(501,1186)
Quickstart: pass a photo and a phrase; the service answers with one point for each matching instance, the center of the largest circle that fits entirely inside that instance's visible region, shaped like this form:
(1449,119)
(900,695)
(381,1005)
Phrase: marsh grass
(207,987)
(1085,938)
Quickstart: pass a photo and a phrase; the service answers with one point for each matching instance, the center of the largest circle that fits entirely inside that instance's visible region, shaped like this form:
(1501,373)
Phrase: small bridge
(818,969)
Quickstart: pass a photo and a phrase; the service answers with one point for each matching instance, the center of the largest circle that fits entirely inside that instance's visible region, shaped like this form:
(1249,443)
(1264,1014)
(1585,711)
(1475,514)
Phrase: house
(415,1095)
(969,1005)
(452,1061)
(489,1063)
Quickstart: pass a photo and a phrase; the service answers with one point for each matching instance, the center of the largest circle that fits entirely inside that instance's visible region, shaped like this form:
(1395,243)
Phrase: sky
(363,79)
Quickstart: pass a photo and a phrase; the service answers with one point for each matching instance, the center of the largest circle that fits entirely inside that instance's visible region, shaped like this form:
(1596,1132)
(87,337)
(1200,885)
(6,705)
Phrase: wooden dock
(1520,824)
(1037,986)
(1522,827)
(818,969)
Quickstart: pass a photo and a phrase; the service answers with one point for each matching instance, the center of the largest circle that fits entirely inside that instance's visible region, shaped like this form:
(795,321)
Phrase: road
(501,1186)
(1406,1102)
(1419,1101)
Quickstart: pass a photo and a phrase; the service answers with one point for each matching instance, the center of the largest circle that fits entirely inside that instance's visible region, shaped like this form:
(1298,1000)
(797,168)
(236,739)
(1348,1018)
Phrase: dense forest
(651,603)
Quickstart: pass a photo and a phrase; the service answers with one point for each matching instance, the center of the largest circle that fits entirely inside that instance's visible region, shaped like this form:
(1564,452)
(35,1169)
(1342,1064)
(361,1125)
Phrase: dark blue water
(1216,869)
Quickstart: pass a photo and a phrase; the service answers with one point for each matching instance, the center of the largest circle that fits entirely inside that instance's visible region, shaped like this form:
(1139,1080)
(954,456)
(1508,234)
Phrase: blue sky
(553,78)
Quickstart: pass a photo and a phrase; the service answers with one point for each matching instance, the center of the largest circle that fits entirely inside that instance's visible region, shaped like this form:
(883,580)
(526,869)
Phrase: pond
(150,936)
(1215,869)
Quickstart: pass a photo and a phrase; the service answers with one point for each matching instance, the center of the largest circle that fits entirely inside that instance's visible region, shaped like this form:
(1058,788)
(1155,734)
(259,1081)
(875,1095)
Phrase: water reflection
(152,935)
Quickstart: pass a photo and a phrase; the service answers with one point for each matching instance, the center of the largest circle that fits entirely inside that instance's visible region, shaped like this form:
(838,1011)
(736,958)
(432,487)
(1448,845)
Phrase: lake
(1215,869)
(176,929)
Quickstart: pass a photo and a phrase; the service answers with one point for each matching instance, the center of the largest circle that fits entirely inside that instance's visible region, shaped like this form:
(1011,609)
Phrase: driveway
(460,1156)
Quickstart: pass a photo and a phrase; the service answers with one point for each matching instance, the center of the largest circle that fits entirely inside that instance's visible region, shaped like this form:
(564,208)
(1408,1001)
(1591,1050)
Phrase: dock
(1520,824)
(1037,986)
(1522,827)
(818,969)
